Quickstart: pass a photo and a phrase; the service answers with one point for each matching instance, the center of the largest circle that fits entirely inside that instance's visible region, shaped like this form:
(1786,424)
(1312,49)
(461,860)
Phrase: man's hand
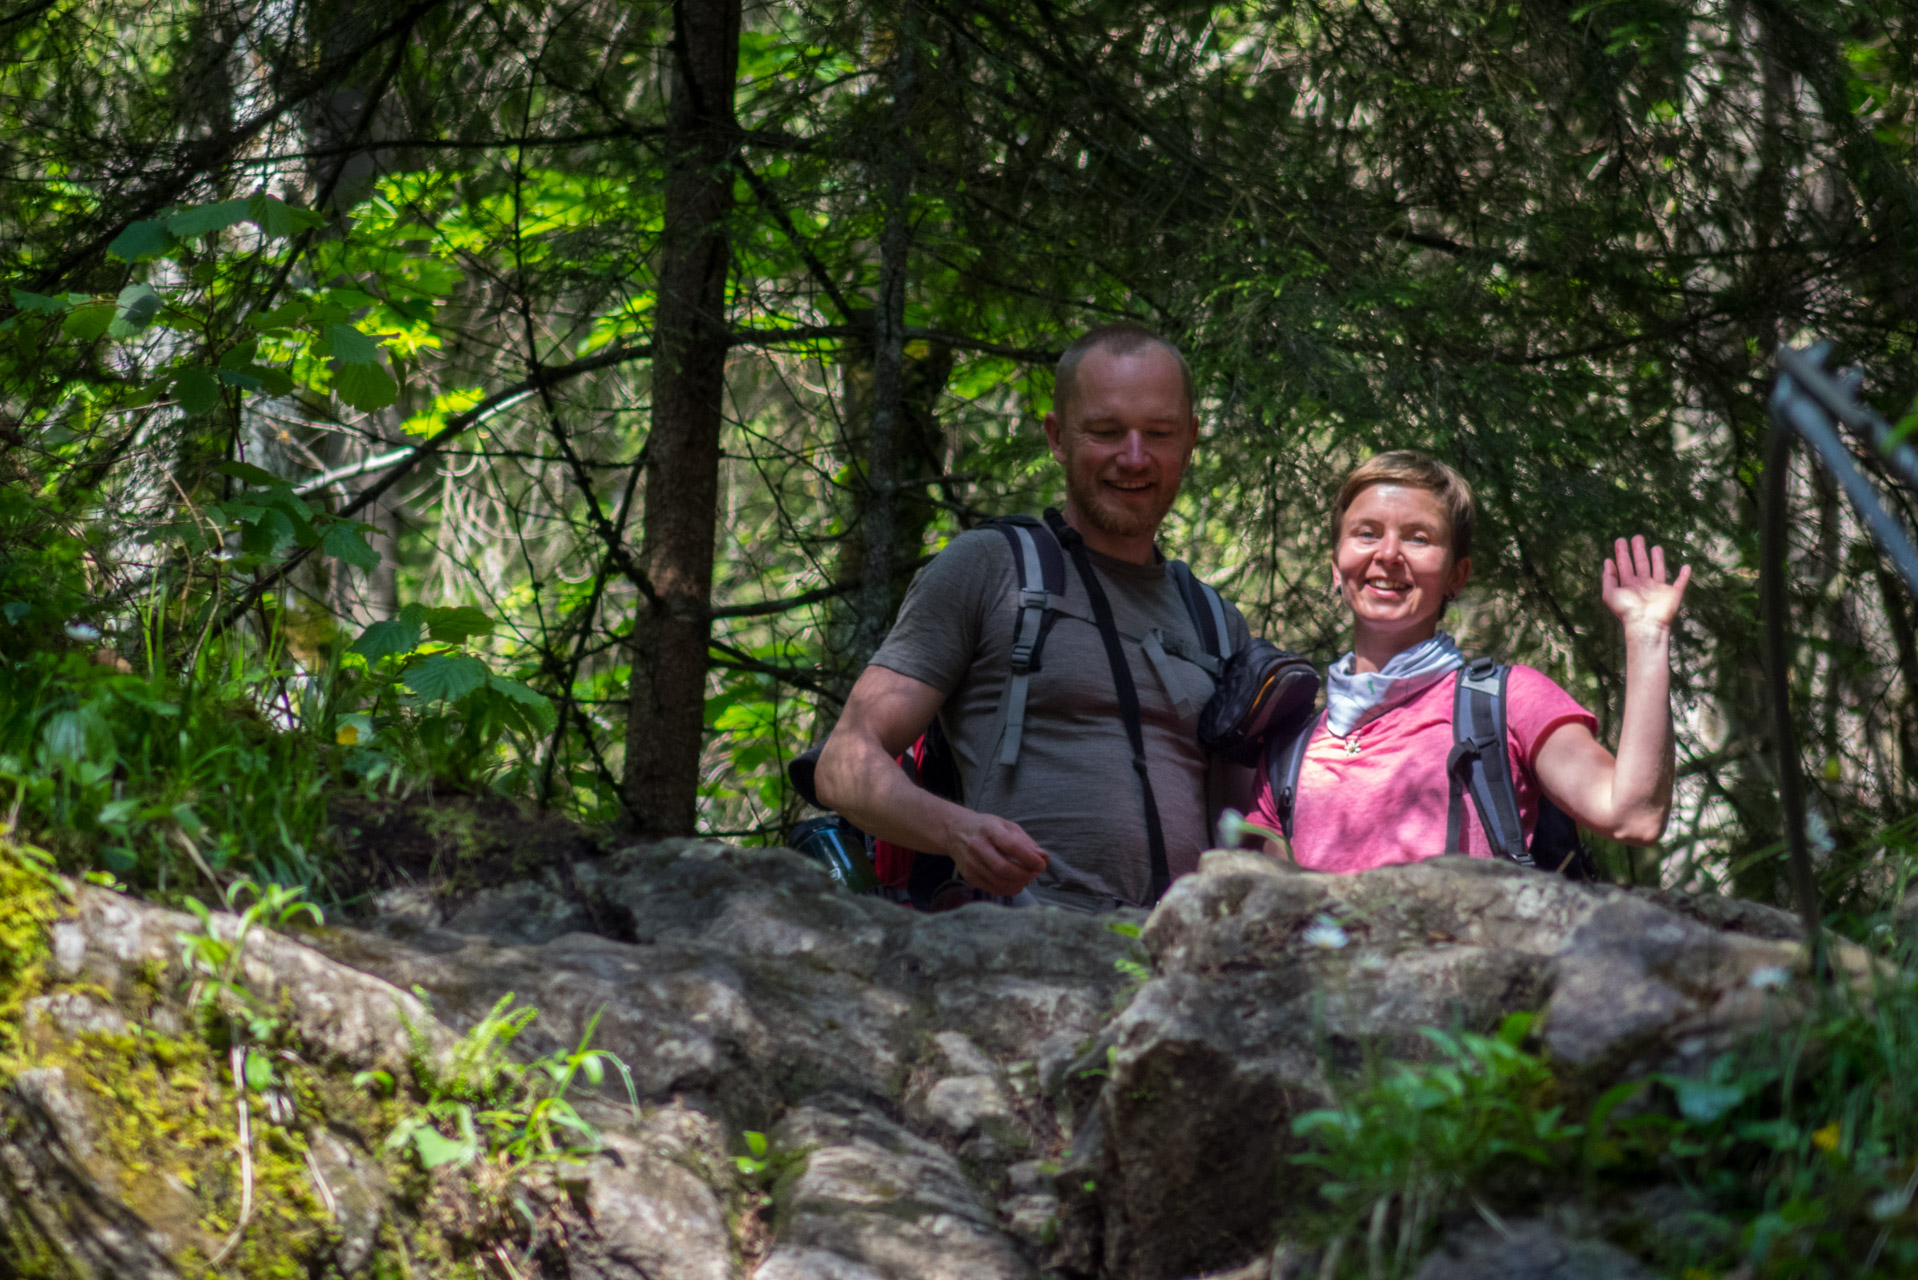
(992,853)
(859,776)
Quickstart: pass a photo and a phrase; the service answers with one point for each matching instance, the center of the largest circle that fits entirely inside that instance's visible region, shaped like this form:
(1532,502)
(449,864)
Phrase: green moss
(29,903)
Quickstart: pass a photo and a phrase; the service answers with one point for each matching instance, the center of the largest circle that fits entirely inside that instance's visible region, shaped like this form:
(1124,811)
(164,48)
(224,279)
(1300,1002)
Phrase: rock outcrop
(982,1094)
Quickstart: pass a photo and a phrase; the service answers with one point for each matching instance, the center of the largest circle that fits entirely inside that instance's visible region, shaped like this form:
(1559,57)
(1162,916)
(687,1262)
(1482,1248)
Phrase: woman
(1372,789)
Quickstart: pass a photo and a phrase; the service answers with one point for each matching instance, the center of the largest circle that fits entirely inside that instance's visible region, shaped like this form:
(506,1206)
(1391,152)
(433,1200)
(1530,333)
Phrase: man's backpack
(1039,548)
(1479,764)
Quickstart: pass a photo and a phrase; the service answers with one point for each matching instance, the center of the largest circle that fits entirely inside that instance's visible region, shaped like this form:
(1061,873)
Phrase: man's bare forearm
(857,778)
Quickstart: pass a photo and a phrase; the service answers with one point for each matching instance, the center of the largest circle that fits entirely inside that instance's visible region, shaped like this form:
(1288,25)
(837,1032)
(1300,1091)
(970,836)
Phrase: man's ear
(1055,436)
(1192,439)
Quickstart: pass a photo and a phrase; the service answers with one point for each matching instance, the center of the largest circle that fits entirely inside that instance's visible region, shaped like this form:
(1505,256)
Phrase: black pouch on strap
(1263,690)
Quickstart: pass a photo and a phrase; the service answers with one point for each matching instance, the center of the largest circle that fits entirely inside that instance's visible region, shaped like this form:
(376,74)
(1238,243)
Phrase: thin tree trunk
(883,460)
(665,726)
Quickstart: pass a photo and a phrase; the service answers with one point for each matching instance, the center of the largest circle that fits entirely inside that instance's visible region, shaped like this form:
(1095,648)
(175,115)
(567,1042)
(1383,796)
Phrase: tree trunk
(665,727)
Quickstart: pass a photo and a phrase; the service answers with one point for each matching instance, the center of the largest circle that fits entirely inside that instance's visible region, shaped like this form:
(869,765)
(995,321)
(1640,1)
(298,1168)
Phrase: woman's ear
(1460,575)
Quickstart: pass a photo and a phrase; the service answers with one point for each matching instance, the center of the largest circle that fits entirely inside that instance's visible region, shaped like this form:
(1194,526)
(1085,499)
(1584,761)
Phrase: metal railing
(1807,403)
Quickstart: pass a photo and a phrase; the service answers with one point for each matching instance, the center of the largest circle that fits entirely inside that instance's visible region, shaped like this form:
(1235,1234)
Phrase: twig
(236,1059)
(319,1183)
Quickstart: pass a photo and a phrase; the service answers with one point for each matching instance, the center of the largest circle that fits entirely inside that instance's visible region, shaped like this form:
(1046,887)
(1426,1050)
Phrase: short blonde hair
(1415,471)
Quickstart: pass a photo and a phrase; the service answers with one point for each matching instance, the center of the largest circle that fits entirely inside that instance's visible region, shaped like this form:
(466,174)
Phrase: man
(1066,819)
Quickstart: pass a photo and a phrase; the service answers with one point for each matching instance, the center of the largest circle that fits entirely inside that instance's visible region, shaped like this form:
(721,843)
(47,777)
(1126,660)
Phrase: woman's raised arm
(1629,797)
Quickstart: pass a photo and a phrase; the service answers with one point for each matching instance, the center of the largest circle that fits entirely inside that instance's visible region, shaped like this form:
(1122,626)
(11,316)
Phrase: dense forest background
(558,397)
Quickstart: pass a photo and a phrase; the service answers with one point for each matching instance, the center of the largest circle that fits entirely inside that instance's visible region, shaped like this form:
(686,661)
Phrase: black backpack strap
(1480,763)
(1128,694)
(1041,568)
(1207,610)
(1282,772)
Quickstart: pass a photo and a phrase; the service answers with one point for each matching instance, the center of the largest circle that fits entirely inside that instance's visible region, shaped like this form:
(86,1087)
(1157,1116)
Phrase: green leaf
(756,1143)
(133,310)
(343,542)
(207,218)
(349,346)
(384,639)
(197,390)
(435,1149)
(279,219)
(365,386)
(89,320)
(445,677)
(275,382)
(38,302)
(140,241)
(1702,1101)
(258,1072)
(249,473)
(454,626)
(288,313)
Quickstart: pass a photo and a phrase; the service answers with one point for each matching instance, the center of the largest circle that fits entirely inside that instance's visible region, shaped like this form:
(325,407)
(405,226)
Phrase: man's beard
(1110,517)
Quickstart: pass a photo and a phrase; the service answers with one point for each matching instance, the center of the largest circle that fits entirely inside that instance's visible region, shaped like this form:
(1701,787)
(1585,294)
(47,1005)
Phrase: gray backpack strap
(1480,763)
(1041,569)
(1282,765)
(1207,610)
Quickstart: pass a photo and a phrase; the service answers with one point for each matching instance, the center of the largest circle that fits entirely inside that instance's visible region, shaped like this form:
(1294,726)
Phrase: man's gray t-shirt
(1072,788)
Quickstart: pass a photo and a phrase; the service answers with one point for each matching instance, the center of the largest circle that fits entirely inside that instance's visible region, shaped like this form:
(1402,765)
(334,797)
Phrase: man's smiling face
(1124,441)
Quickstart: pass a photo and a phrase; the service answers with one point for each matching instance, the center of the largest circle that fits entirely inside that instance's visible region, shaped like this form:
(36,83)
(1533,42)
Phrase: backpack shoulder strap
(1481,764)
(1282,773)
(1207,610)
(1040,564)
(1126,692)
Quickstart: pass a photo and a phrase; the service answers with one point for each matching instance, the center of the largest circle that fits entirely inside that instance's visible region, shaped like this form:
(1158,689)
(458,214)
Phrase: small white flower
(84,632)
(1890,1205)
(1326,934)
(1767,978)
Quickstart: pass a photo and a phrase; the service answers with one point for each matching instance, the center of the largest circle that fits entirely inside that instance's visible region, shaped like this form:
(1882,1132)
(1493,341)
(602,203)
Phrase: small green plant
(214,957)
(483,1102)
(1418,1138)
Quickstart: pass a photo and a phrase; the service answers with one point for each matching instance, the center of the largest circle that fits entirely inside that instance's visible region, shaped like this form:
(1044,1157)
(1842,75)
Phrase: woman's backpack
(1480,765)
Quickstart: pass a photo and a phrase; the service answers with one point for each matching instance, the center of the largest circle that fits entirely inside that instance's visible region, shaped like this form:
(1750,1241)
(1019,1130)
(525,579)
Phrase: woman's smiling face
(1394,562)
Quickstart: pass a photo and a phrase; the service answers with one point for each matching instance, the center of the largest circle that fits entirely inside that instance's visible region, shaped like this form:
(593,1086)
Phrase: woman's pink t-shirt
(1387,804)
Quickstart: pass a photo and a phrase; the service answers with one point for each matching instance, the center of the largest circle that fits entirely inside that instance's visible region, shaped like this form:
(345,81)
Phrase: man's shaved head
(1120,339)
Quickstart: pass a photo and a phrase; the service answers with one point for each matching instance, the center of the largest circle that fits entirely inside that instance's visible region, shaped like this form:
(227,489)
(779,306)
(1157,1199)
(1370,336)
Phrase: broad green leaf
(133,310)
(290,312)
(445,677)
(38,302)
(385,639)
(265,536)
(207,218)
(88,320)
(277,218)
(259,1071)
(197,390)
(455,625)
(349,346)
(249,473)
(1702,1102)
(343,542)
(365,386)
(275,382)
(240,378)
(140,241)
(435,1149)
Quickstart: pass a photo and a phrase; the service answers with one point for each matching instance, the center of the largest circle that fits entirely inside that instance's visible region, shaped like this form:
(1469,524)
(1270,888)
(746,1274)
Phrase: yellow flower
(347,736)
(1826,1139)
